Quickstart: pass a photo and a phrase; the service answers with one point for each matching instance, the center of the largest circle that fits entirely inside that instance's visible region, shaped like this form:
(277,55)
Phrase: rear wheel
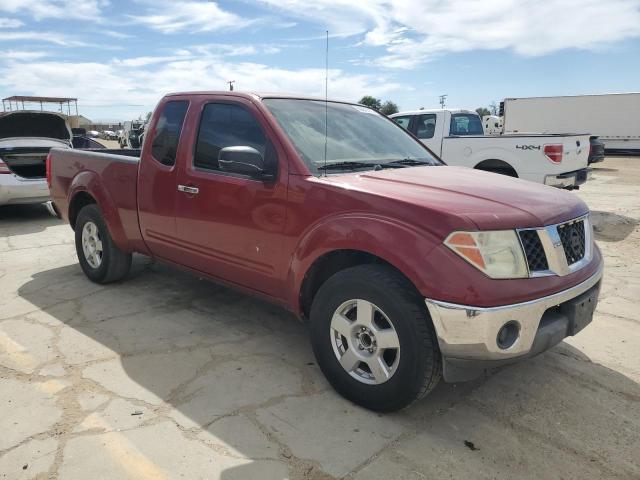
(101,260)
(373,339)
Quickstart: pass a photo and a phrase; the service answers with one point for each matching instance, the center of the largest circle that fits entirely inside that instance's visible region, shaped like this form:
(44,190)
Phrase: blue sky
(120,57)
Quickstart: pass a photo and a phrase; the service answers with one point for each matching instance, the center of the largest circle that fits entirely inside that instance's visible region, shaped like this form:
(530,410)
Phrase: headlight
(498,254)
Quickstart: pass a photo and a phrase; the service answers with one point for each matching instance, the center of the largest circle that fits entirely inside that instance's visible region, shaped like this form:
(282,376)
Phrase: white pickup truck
(458,138)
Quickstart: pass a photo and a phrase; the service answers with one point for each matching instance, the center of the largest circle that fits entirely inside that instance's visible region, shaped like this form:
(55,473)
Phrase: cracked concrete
(168,376)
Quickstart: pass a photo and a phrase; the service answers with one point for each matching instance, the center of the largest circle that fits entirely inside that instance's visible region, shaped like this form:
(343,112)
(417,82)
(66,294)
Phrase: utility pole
(231,85)
(442,100)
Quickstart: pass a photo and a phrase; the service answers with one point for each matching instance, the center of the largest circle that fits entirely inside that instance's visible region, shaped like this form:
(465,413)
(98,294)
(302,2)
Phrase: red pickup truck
(406,270)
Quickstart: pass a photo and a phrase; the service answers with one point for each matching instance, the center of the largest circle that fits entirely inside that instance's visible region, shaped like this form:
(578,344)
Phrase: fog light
(508,335)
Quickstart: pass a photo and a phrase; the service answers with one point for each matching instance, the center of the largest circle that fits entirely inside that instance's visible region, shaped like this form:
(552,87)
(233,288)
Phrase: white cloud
(413,32)
(40,9)
(128,87)
(40,36)
(21,55)
(10,23)
(173,16)
(115,34)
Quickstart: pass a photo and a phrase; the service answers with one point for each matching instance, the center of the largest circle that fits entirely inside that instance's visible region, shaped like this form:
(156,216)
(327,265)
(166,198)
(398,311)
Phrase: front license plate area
(580,310)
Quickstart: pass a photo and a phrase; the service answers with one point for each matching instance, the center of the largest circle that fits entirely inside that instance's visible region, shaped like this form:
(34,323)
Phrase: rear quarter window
(166,137)
(403,121)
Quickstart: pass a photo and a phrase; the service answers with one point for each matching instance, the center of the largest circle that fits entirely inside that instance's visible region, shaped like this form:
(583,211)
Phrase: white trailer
(614,117)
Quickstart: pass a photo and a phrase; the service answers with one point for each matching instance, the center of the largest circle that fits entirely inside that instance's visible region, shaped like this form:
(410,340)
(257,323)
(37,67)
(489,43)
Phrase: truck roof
(260,95)
(433,110)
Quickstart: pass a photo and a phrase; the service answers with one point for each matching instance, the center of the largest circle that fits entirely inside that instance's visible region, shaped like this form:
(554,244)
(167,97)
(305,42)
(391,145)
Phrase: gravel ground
(167,376)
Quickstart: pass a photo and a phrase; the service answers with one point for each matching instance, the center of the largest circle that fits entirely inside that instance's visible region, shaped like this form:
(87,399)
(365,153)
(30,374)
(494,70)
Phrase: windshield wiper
(409,162)
(346,165)
(405,162)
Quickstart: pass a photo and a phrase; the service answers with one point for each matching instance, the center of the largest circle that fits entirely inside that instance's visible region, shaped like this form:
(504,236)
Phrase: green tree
(371,102)
(482,111)
(389,108)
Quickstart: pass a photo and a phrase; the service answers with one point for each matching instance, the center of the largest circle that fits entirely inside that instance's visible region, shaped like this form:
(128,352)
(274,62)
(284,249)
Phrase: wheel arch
(86,189)
(78,201)
(353,239)
(496,165)
(330,263)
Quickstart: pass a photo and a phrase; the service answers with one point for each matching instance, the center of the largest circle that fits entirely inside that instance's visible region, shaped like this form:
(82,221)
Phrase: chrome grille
(573,240)
(533,250)
(557,249)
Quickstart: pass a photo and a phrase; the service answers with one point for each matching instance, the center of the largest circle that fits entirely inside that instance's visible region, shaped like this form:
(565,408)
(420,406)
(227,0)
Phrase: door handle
(188,189)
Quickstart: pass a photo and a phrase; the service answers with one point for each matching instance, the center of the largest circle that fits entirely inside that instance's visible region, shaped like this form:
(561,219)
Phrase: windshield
(466,124)
(356,135)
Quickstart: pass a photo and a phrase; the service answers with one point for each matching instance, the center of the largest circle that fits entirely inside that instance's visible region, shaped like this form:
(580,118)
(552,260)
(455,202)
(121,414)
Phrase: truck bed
(115,172)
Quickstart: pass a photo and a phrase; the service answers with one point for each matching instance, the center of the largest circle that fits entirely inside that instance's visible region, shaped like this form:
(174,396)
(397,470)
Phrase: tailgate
(575,152)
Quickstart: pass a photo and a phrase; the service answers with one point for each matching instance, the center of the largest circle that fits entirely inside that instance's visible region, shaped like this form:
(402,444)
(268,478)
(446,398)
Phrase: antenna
(326,101)
(442,100)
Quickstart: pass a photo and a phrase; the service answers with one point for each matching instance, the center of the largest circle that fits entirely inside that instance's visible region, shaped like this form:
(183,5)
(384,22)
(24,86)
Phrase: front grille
(536,258)
(573,240)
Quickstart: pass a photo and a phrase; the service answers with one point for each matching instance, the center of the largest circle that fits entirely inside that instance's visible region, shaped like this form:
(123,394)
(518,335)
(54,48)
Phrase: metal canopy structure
(19,102)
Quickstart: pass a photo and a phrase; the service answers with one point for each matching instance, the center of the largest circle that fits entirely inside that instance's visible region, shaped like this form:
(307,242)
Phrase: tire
(415,366)
(113,264)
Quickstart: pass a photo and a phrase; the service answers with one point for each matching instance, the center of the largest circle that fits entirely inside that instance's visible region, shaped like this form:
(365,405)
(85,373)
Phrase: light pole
(442,100)
(231,85)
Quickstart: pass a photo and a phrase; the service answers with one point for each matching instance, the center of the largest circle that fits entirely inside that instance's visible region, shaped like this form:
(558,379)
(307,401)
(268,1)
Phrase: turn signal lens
(497,253)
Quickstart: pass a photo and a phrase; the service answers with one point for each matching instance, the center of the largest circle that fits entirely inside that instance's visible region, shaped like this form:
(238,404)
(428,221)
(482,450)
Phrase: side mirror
(245,161)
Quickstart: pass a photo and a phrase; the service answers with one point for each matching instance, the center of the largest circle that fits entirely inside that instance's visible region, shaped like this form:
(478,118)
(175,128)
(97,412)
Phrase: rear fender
(401,245)
(89,182)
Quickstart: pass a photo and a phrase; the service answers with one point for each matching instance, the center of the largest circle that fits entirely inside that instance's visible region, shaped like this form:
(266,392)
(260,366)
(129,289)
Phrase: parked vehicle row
(131,134)
(406,270)
(457,136)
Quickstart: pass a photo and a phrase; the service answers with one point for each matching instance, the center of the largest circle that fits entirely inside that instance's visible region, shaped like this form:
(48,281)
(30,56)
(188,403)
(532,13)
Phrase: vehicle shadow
(611,227)
(604,169)
(215,355)
(25,219)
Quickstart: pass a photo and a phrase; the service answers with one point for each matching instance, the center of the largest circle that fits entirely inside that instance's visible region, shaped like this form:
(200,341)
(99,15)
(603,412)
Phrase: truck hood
(29,124)
(489,200)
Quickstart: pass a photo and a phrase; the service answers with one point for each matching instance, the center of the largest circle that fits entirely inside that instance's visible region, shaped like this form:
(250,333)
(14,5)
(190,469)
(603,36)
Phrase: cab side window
(228,125)
(426,126)
(167,133)
(403,121)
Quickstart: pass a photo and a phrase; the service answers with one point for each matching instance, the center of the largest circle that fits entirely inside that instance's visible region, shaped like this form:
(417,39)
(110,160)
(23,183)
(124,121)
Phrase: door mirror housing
(244,160)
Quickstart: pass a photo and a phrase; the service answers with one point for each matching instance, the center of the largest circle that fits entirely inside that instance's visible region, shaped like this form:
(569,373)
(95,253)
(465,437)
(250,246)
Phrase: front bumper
(19,190)
(468,336)
(568,179)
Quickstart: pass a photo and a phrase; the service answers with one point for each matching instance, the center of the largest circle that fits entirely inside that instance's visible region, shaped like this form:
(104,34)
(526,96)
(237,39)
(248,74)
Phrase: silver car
(25,140)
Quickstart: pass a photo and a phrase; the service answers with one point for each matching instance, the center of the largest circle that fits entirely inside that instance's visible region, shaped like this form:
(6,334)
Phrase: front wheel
(101,260)
(373,338)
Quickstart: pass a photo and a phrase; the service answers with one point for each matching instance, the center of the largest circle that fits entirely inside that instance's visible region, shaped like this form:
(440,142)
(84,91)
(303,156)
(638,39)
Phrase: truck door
(157,178)
(428,128)
(230,225)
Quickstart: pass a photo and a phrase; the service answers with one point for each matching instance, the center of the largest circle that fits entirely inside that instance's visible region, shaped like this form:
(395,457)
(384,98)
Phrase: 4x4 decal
(528,147)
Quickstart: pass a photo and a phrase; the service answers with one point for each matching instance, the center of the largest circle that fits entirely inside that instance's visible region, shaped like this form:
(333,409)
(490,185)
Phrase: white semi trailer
(614,117)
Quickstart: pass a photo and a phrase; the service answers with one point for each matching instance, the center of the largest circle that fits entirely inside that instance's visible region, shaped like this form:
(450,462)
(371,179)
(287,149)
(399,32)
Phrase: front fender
(89,182)
(399,244)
